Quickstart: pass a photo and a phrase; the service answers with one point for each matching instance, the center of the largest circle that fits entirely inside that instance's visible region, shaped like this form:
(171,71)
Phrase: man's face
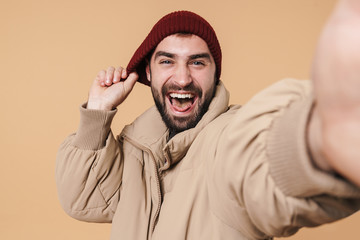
(182,77)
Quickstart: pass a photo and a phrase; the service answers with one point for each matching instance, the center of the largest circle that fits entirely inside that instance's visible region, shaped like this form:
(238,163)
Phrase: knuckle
(101,73)
(100,76)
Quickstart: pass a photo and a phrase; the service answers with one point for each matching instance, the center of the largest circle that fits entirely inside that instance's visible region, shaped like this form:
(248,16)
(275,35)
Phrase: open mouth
(182,102)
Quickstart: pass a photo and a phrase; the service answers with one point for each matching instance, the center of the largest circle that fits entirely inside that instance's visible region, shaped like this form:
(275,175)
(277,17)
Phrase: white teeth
(178,95)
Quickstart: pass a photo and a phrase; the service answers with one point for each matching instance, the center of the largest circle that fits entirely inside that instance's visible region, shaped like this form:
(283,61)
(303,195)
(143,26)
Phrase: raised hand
(110,88)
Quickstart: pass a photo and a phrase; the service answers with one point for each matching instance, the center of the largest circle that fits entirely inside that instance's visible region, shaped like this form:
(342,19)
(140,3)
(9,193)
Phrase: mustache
(192,88)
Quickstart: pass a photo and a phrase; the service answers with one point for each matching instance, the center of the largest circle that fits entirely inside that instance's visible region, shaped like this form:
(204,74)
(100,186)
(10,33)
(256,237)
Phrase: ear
(147,70)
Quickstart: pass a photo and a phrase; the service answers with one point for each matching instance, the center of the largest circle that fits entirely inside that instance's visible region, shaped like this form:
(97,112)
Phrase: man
(194,168)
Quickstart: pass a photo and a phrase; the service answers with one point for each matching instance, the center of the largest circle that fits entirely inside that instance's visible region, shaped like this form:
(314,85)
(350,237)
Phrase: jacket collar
(150,132)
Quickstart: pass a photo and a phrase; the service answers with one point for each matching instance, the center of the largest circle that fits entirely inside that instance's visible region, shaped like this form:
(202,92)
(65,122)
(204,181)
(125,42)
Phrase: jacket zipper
(141,147)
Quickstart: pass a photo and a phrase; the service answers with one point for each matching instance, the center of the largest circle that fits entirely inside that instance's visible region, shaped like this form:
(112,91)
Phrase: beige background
(51,50)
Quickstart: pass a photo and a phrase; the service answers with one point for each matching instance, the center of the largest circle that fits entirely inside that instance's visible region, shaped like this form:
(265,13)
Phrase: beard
(178,124)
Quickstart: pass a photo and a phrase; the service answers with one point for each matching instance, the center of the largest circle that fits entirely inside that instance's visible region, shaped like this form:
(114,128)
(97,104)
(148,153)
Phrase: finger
(100,78)
(117,74)
(109,76)
(124,74)
(130,82)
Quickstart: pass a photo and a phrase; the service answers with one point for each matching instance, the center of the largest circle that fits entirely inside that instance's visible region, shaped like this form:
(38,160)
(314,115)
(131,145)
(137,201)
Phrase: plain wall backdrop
(50,52)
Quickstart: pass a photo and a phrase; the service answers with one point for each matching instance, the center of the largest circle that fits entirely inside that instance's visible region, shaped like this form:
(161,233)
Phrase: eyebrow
(200,55)
(192,57)
(165,54)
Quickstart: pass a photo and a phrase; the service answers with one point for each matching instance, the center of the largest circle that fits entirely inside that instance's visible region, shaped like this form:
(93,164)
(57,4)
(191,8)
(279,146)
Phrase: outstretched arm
(334,130)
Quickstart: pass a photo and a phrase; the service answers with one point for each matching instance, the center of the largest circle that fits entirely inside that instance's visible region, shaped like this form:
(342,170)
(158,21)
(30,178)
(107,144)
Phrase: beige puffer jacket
(241,173)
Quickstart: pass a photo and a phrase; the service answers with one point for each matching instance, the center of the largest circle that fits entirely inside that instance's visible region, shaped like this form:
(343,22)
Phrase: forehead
(183,45)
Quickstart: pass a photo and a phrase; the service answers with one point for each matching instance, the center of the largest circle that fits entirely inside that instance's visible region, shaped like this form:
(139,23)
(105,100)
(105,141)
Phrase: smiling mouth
(182,102)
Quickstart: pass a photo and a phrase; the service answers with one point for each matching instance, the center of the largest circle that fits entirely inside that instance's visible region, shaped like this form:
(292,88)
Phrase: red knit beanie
(175,22)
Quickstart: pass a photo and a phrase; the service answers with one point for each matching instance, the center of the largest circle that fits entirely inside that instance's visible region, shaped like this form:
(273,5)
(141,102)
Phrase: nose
(183,76)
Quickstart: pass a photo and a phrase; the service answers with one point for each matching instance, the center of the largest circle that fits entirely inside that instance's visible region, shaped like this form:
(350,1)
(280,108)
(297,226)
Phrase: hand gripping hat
(175,22)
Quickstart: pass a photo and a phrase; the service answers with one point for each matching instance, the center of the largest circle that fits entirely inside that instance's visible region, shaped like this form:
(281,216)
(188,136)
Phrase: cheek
(159,77)
(205,81)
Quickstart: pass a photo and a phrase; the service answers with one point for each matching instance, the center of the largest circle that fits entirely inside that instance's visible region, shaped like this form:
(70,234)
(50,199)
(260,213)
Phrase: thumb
(130,81)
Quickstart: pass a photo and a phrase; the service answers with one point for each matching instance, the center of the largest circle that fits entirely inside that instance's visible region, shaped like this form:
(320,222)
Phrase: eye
(198,63)
(165,61)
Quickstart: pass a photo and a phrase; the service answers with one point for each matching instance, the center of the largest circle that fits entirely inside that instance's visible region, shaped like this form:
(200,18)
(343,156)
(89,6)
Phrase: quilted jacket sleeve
(269,174)
(89,169)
